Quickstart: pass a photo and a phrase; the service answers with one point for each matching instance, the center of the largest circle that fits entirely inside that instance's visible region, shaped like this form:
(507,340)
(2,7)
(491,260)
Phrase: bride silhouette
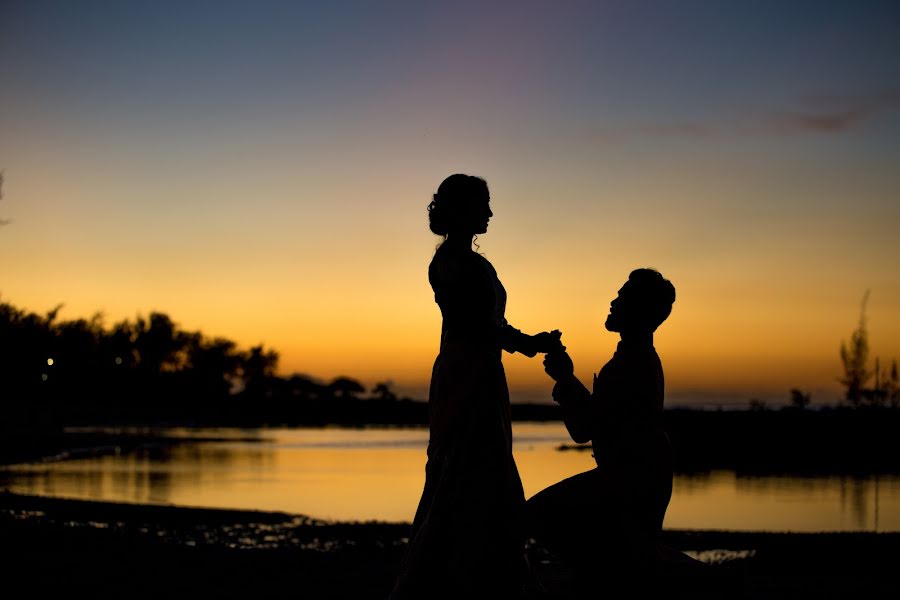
(468,532)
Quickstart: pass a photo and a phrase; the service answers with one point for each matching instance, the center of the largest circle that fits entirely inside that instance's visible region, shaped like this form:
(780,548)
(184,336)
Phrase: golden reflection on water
(722,500)
(365,474)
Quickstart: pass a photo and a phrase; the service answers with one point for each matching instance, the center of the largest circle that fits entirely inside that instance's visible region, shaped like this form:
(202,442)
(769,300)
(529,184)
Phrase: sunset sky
(259,170)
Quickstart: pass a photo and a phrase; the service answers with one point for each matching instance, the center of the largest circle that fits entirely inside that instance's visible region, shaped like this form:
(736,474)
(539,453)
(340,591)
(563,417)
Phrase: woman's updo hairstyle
(453,202)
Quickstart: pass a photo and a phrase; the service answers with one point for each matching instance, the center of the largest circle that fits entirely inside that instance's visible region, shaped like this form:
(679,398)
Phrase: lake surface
(378,473)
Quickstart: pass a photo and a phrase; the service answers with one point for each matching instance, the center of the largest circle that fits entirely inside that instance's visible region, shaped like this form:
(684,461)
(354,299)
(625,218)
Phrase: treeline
(834,439)
(831,440)
(57,372)
(148,370)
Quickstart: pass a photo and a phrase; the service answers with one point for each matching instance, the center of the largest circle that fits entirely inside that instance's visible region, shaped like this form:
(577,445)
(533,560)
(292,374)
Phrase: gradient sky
(260,171)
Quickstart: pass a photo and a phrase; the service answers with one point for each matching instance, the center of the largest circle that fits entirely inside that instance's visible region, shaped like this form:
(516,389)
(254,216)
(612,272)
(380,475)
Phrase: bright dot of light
(43,377)
(49,362)
(118,360)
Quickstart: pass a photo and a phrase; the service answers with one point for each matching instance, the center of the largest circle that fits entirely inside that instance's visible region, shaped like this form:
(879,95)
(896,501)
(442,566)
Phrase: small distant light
(44,377)
(49,362)
(118,360)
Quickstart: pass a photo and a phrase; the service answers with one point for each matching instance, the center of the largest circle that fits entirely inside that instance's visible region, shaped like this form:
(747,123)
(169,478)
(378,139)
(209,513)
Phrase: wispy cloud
(831,113)
(786,123)
(815,114)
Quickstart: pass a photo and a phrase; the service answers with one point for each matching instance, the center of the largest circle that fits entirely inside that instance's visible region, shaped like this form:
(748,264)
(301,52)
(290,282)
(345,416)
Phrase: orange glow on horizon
(335,279)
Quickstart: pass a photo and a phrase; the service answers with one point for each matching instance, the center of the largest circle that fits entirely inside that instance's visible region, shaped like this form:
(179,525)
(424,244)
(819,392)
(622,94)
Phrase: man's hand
(558,365)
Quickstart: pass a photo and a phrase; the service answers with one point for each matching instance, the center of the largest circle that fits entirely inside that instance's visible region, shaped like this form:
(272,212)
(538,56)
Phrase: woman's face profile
(475,213)
(481,215)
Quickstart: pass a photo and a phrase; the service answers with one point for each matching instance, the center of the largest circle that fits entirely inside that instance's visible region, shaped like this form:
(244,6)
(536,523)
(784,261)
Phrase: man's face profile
(619,309)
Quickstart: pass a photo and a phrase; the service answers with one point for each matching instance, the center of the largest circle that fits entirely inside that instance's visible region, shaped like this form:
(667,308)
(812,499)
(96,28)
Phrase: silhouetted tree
(304,386)
(877,395)
(800,399)
(258,369)
(26,340)
(758,405)
(76,351)
(893,386)
(854,356)
(159,344)
(120,345)
(213,367)
(345,388)
(382,391)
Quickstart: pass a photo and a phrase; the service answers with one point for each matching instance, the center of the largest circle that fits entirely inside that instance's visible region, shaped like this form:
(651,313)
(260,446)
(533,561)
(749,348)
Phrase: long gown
(468,532)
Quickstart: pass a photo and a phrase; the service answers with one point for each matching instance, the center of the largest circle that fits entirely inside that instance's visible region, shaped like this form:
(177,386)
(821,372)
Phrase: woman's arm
(513,340)
(464,289)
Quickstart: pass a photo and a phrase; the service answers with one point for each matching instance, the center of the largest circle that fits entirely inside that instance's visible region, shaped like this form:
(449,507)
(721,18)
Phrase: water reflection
(727,500)
(362,474)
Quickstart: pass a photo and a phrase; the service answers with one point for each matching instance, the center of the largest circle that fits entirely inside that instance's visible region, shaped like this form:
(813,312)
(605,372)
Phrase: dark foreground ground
(105,550)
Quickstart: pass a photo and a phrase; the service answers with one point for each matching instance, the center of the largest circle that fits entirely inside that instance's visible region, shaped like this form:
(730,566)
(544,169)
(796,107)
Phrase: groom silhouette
(606,522)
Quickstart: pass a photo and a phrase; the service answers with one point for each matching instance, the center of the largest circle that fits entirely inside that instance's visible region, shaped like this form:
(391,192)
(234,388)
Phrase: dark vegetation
(836,440)
(149,372)
(885,388)
(831,440)
(58,373)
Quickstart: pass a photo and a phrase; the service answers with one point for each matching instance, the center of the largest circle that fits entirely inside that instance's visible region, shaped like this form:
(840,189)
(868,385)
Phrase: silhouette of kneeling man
(606,522)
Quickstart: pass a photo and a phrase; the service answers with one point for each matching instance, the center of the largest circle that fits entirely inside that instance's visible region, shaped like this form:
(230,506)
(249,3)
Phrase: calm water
(377,473)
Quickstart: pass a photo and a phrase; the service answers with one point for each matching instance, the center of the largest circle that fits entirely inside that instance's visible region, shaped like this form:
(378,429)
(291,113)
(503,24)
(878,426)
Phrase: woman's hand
(547,341)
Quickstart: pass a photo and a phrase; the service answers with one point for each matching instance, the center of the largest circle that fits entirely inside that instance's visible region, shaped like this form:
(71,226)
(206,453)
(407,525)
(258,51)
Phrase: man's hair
(653,294)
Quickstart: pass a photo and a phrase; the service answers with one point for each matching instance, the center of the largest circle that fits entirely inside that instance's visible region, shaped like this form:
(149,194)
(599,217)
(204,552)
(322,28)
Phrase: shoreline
(102,546)
(698,433)
(99,510)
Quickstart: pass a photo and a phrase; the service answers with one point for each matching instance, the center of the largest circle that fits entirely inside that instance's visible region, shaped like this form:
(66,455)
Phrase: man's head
(643,303)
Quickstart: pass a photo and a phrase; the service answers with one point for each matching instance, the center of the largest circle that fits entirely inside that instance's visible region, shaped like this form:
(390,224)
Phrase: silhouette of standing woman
(468,532)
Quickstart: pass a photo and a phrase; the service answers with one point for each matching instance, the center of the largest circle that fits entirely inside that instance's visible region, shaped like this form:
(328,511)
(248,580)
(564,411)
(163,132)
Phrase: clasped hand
(558,365)
(544,342)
